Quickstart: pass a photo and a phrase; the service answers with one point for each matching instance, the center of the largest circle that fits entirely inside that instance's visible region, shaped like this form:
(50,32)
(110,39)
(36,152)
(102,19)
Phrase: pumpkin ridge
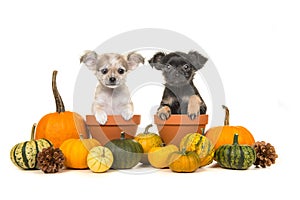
(24,155)
(236,157)
(253,155)
(230,157)
(33,155)
(241,163)
(118,146)
(224,150)
(199,142)
(37,150)
(218,156)
(47,141)
(190,161)
(18,151)
(127,150)
(137,149)
(14,155)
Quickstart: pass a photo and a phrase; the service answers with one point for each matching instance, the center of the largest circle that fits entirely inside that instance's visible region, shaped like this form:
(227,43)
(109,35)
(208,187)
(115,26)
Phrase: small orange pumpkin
(184,161)
(61,125)
(199,144)
(221,135)
(76,152)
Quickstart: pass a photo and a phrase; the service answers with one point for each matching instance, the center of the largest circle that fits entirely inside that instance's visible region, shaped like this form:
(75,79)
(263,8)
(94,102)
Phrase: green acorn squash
(127,153)
(235,156)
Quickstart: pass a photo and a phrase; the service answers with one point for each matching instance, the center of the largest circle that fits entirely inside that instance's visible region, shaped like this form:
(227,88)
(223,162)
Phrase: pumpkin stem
(58,100)
(236,139)
(122,135)
(147,129)
(103,153)
(203,131)
(33,131)
(163,144)
(81,136)
(226,120)
(183,151)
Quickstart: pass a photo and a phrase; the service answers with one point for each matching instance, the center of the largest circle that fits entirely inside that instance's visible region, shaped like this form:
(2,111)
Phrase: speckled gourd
(24,155)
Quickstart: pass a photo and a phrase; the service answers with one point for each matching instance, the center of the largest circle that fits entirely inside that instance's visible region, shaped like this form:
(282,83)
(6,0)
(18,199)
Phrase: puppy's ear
(134,59)
(197,59)
(155,61)
(89,58)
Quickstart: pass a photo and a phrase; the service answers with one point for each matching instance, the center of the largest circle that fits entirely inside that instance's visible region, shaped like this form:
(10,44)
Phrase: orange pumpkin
(199,144)
(184,161)
(76,152)
(61,125)
(221,135)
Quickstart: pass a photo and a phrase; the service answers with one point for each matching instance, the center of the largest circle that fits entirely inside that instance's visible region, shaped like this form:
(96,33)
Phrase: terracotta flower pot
(176,127)
(112,129)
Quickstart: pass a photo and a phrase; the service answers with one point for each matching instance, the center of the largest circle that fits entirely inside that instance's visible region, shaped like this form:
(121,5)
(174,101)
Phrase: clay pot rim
(181,120)
(114,120)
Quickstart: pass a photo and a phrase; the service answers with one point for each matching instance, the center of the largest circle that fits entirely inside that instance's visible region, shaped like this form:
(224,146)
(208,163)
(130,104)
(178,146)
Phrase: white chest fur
(111,100)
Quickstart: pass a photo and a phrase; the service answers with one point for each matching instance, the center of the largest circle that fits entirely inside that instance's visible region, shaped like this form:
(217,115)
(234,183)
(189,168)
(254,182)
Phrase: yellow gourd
(158,156)
(100,159)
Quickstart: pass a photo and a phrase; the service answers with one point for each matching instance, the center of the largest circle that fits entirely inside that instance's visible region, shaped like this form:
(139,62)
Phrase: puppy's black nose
(112,79)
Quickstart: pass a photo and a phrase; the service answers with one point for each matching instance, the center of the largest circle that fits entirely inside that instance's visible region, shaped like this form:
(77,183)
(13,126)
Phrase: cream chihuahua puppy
(112,96)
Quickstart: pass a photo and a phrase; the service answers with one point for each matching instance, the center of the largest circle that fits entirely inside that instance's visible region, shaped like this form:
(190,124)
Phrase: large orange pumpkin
(221,135)
(60,125)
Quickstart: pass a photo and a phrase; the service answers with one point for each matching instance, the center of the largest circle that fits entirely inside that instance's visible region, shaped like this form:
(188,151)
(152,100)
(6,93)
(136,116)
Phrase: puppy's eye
(121,71)
(104,71)
(168,66)
(186,67)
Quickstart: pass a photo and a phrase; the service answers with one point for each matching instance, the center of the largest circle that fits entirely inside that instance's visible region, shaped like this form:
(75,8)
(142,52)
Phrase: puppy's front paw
(101,117)
(193,112)
(164,113)
(127,114)
(193,116)
(194,107)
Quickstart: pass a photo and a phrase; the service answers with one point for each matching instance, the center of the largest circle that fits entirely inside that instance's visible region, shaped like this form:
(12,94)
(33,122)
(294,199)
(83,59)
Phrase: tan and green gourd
(24,154)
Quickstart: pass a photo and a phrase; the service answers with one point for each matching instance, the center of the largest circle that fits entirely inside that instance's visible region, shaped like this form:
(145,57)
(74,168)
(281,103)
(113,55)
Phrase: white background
(253,44)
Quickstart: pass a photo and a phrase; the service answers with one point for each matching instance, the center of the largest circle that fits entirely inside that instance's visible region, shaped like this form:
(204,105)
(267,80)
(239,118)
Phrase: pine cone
(50,160)
(265,154)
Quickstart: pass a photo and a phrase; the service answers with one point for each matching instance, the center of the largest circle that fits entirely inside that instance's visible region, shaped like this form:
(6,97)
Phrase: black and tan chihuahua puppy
(180,95)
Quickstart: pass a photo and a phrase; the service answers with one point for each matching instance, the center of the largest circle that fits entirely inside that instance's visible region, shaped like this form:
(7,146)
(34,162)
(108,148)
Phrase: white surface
(254,45)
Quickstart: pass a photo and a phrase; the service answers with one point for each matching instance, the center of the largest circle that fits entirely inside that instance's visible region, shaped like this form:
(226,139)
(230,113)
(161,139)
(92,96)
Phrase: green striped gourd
(199,144)
(126,152)
(24,155)
(235,156)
